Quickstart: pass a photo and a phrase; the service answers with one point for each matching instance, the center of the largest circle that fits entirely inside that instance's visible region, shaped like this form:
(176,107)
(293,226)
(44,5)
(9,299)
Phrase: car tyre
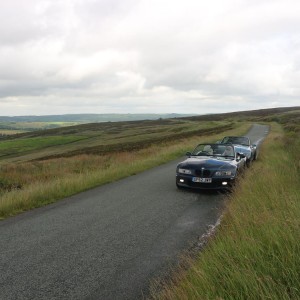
(248,163)
(255,156)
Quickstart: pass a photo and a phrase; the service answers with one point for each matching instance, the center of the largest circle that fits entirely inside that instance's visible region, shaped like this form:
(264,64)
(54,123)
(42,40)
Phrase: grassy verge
(255,253)
(34,184)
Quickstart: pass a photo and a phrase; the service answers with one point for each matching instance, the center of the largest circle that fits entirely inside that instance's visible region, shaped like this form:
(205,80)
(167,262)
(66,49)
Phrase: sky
(148,56)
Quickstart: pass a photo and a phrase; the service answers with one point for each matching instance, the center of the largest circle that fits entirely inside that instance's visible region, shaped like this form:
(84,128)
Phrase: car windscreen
(219,150)
(236,140)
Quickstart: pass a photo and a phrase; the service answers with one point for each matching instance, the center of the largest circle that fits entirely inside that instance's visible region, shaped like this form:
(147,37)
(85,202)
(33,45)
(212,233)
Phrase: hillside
(104,137)
(254,115)
(100,138)
(88,118)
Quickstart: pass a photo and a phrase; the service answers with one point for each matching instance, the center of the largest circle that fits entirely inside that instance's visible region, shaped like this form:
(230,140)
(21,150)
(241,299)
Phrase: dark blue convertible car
(210,166)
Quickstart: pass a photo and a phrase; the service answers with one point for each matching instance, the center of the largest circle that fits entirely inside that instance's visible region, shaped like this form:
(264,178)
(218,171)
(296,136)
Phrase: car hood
(207,163)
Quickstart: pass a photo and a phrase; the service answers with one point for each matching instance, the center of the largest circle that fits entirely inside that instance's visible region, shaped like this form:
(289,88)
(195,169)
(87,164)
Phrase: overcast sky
(148,56)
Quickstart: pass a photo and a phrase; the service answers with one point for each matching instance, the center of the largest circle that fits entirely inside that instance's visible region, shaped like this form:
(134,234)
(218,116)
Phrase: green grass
(34,184)
(11,147)
(256,251)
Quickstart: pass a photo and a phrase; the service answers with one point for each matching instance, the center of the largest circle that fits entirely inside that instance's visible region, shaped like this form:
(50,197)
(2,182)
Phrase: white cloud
(148,56)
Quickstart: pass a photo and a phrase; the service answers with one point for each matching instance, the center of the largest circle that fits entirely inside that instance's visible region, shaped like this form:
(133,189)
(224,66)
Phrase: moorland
(40,167)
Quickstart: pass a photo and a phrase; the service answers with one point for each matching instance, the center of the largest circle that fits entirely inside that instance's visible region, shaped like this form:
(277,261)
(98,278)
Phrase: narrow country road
(108,242)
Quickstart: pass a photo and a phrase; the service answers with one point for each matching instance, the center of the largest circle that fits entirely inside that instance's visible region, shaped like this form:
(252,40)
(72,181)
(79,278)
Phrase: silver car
(242,144)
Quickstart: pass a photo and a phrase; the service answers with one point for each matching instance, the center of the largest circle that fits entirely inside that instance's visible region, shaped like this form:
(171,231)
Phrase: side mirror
(188,154)
(254,146)
(240,156)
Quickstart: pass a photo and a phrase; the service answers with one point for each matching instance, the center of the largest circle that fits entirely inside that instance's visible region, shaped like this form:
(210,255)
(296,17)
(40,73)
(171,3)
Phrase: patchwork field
(9,128)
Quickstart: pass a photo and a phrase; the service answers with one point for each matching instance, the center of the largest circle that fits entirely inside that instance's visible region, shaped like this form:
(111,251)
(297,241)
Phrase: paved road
(106,243)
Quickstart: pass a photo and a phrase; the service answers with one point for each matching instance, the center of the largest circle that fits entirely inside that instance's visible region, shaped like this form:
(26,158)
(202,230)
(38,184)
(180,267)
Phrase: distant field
(9,128)
(33,123)
(4,132)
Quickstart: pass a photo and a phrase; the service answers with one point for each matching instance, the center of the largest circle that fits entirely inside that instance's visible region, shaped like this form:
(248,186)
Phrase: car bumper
(216,184)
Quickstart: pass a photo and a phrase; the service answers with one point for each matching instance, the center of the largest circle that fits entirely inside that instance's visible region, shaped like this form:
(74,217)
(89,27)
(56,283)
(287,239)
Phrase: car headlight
(224,173)
(184,171)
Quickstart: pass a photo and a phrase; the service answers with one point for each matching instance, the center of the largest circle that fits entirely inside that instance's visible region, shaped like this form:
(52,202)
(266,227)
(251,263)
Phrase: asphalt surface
(108,242)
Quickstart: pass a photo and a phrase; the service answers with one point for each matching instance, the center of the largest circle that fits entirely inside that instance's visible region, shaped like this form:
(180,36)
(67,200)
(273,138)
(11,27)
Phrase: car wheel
(255,156)
(248,163)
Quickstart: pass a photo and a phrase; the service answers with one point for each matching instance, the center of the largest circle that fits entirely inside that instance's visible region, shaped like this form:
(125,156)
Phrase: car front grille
(203,173)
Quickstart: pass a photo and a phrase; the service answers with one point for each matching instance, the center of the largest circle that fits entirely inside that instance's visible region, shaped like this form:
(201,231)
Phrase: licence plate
(202,180)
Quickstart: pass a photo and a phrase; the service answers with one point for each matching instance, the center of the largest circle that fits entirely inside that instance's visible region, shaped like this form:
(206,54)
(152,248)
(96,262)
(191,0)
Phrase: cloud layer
(137,56)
